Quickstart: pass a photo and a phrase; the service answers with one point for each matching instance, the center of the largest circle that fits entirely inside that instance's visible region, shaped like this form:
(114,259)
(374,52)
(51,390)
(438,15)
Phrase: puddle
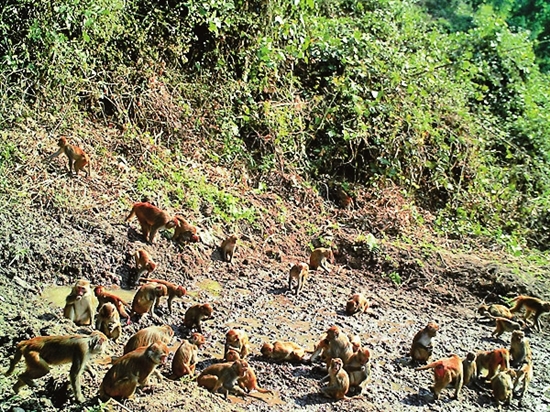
(210,286)
(57,295)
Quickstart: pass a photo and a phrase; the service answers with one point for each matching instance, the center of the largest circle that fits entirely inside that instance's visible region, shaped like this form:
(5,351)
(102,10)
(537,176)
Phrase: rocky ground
(45,245)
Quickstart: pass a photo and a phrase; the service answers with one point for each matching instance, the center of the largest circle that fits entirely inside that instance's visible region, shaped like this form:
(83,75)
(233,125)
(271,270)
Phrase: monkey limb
(320,258)
(356,303)
(147,297)
(185,358)
(446,371)
(78,305)
(76,156)
(422,345)
(104,297)
(492,361)
(184,232)
(503,386)
(299,273)
(195,314)
(223,376)
(238,341)
(338,385)
(132,370)
(355,342)
(469,368)
(173,290)
(42,351)
(147,336)
(283,351)
(532,306)
(108,321)
(151,219)
(228,247)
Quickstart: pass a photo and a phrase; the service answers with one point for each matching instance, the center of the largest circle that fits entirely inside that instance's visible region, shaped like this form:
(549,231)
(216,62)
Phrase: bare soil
(44,244)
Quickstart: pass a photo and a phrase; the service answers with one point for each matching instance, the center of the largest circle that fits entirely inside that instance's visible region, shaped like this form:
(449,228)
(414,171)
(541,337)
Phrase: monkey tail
(14,361)
(89,168)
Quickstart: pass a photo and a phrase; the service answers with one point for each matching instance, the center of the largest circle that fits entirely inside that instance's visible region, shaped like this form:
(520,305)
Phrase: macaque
(446,371)
(77,157)
(520,349)
(319,258)
(503,386)
(108,321)
(299,273)
(132,370)
(344,200)
(422,345)
(223,376)
(338,345)
(106,297)
(151,219)
(144,263)
(248,382)
(504,325)
(228,248)
(42,351)
(320,350)
(491,361)
(146,336)
(356,303)
(338,384)
(173,290)
(469,368)
(185,357)
(184,232)
(147,298)
(195,314)
(358,369)
(78,305)
(237,340)
(524,375)
(532,306)
(499,311)
(283,351)
(355,342)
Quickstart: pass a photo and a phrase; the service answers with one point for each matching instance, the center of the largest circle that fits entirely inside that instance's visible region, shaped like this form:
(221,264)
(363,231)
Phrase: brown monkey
(524,374)
(131,370)
(355,342)
(504,325)
(338,384)
(503,386)
(108,321)
(283,351)
(520,349)
(238,341)
(195,314)
(358,369)
(78,305)
(144,263)
(184,232)
(151,219)
(320,350)
(532,306)
(146,336)
(446,371)
(173,290)
(223,376)
(356,303)
(299,273)
(338,345)
(422,345)
(42,351)
(147,298)
(319,258)
(249,381)
(499,311)
(469,368)
(77,157)
(491,361)
(185,357)
(228,248)
(106,297)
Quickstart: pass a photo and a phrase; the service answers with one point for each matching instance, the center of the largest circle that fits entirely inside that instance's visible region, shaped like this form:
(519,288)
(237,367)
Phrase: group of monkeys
(347,362)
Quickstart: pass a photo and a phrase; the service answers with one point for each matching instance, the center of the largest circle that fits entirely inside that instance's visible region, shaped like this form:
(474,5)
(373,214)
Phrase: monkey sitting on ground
(151,219)
(356,303)
(320,258)
(184,232)
(173,290)
(77,157)
(446,371)
(147,298)
(422,345)
(492,361)
(299,273)
(238,341)
(338,385)
(283,351)
(104,297)
(503,386)
(532,306)
(185,357)
(249,381)
(499,311)
(358,369)
(42,351)
(108,321)
(195,314)
(469,368)
(223,376)
(132,370)
(78,305)
(520,349)
(145,337)
(228,248)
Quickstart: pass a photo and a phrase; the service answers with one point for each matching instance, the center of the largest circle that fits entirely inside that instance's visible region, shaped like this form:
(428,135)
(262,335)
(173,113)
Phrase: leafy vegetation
(447,99)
